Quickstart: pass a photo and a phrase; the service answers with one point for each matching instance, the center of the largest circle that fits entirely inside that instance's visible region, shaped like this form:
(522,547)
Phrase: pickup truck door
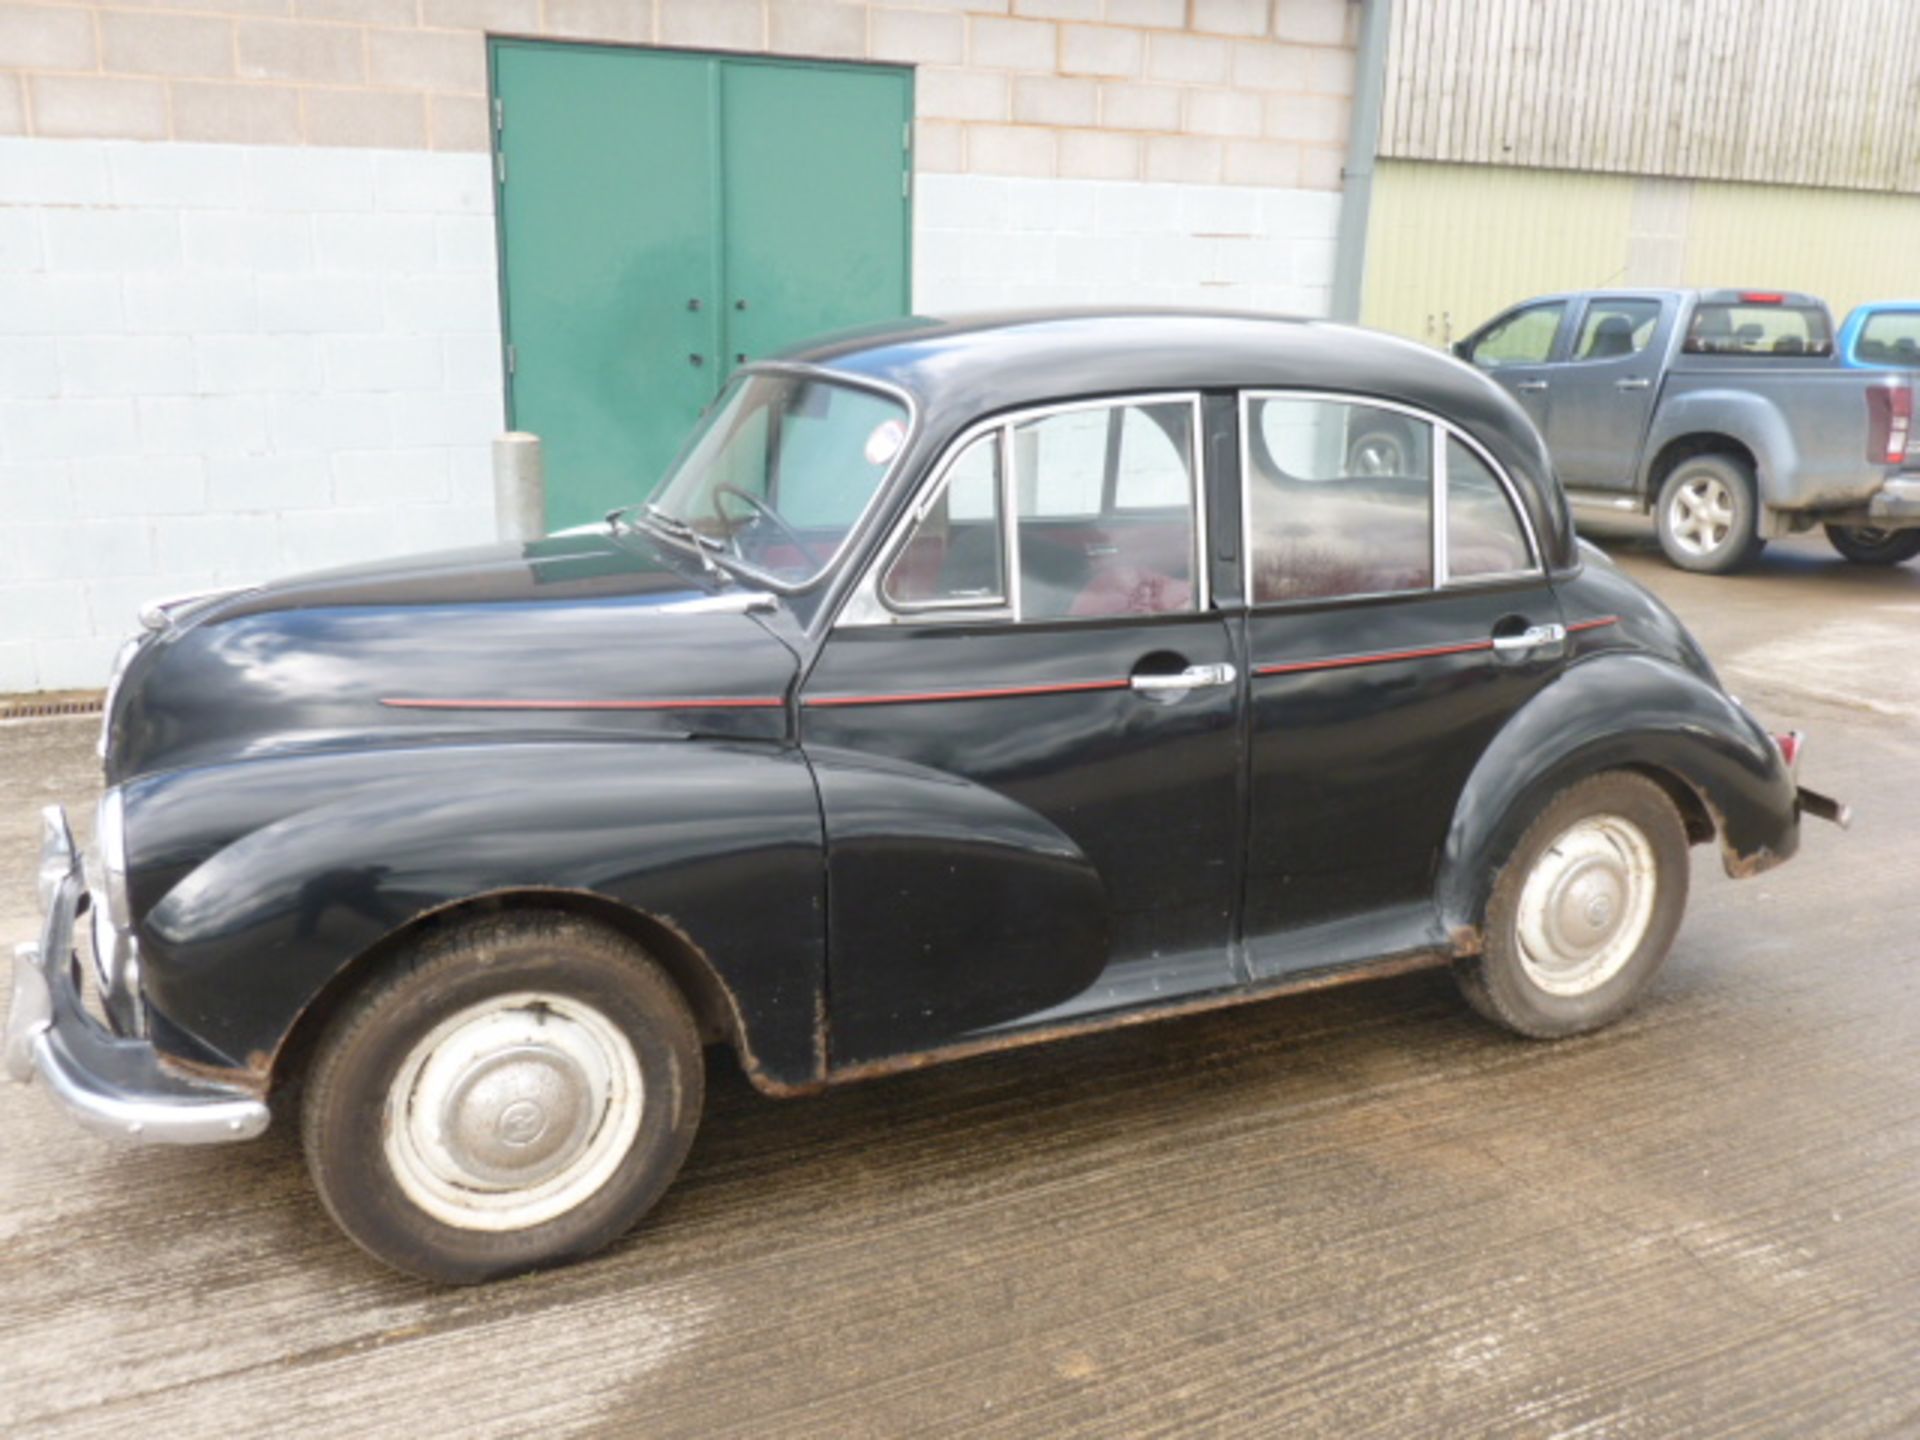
(1603,391)
(1515,350)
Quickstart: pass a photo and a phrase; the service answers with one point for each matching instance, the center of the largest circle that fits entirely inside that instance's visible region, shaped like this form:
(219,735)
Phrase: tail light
(1790,745)
(1889,422)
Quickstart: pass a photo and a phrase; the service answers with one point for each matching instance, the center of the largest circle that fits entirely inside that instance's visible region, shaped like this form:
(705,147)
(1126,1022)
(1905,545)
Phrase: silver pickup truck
(1723,412)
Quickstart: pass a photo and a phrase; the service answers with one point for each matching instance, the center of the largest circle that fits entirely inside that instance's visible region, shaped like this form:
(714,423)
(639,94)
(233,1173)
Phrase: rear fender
(1617,712)
(1740,416)
(719,843)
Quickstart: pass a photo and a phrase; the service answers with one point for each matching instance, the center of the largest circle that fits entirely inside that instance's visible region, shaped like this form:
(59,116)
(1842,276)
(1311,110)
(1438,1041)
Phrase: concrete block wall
(248,289)
(219,363)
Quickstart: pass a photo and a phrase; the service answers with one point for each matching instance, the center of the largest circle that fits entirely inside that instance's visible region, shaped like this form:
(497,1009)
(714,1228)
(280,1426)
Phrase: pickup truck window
(1522,338)
(1891,337)
(1759,329)
(1613,328)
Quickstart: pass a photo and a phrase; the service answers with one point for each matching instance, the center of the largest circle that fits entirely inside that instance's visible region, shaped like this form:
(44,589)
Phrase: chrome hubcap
(1700,515)
(1586,905)
(513,1111)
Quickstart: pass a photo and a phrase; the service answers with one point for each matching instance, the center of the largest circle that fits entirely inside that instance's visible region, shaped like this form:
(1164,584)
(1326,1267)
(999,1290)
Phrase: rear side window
(1891,337)
(1613,329)
(1759,329)
(1339,499)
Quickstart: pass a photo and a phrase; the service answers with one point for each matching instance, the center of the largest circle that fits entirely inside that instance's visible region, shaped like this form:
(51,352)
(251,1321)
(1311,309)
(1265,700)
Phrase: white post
(519,487)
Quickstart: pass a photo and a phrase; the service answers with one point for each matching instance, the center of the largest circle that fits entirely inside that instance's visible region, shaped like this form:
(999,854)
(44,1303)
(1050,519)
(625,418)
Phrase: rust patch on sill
(1745,867)
(1468,940)
(1040,1035)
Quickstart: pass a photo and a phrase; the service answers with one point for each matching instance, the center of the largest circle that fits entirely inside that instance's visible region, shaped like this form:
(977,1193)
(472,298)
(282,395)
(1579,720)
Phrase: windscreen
(780,471)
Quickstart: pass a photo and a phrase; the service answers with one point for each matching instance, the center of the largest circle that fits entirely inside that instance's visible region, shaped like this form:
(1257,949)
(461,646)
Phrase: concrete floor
(1356,1213)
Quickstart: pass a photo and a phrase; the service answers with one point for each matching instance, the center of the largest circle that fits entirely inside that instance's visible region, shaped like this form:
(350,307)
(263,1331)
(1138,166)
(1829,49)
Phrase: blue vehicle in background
(1882,335)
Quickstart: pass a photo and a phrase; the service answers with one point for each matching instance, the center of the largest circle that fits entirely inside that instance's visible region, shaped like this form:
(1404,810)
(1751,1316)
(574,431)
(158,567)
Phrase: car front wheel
(1584,912)
(514,1094)
(1865,545)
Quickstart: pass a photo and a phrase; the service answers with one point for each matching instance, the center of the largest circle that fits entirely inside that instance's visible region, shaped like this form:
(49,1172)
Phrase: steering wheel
(764,510)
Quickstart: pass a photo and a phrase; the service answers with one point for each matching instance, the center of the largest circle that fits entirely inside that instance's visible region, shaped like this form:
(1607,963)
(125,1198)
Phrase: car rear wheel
(1707,515)
(1868,545)
(514,1094)
(1585,910)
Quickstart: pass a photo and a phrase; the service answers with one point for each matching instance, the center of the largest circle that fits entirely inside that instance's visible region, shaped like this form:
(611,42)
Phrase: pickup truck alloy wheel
(1706,515)
(512,1093)
(1584,911)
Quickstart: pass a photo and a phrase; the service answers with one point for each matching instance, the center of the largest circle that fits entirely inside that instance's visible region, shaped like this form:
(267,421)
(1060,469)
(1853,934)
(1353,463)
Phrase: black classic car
(963,684)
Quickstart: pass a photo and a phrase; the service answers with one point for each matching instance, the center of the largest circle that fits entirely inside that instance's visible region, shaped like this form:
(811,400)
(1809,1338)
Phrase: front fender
(719,841)
(1739,415)
(1618,711)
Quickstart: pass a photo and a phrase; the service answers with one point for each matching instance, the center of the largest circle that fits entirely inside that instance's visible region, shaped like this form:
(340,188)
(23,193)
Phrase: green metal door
(814,180)
(662,213)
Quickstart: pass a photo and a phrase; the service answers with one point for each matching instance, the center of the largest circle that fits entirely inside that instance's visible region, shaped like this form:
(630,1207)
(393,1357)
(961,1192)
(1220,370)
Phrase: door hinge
(513,360)
(906,184)
(499,114)
(500,166)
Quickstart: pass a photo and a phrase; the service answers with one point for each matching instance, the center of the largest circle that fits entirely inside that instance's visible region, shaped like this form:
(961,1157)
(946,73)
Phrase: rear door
(1395,623)
(1517,349)
(1603,391)
(1026,728)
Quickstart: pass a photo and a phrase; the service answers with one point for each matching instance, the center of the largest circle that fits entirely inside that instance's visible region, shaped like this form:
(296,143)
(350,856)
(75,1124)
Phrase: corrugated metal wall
(1804,92)
(1452,244)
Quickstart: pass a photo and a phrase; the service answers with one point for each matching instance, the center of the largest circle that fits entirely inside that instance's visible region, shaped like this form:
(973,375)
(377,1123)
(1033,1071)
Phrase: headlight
(110,832)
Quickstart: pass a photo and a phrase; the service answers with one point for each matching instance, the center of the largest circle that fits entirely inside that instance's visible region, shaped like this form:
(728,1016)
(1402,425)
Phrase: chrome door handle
(1534,637)
(1529,384)
(1639,384)
(1194,677)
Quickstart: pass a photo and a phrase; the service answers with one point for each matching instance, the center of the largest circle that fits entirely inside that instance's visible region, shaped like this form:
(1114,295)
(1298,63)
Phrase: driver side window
(1522,338)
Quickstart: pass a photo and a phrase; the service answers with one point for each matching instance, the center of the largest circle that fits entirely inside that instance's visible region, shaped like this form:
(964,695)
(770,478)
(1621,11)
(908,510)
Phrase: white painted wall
(982,241)
(223,363)
(220,363)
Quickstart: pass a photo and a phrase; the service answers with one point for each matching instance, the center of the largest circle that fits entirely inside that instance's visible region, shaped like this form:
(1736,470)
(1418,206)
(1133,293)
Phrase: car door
(1394,623)
(1517,349)
(1025,724)
(1603,391)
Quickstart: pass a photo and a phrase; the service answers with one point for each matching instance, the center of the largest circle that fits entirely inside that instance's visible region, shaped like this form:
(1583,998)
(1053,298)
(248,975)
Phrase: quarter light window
(957,554)
(1339,499)
(1483,533)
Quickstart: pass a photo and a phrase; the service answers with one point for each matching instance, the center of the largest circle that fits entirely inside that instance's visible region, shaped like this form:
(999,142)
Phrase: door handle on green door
(696,361)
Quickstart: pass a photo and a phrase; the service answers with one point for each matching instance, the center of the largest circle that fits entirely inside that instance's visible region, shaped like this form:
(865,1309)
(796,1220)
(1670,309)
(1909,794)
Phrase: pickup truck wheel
(514,1094)
(1584,911)
(1868,546)
(1707,515)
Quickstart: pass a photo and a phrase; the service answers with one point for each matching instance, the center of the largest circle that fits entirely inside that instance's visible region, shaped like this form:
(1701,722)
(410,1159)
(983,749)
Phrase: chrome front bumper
(114,1085)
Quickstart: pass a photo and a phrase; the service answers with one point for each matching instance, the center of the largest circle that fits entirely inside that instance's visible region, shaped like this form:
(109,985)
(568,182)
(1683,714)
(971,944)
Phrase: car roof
(961,368)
